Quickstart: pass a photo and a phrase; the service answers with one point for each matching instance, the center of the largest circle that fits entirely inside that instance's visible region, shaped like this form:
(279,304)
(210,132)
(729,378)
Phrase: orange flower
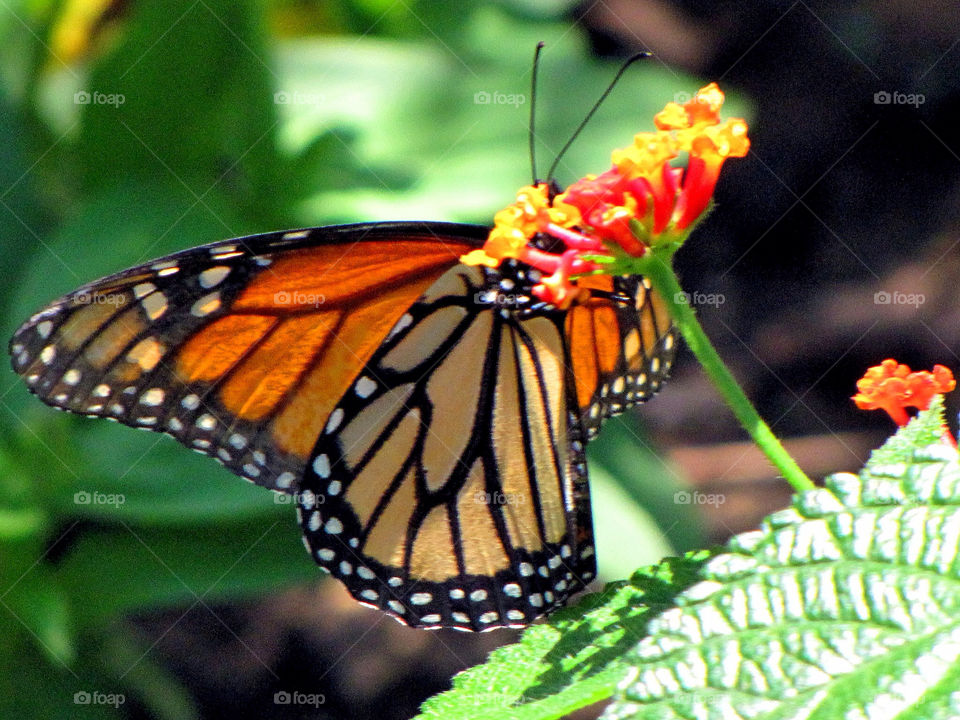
(640,202)
(892,387)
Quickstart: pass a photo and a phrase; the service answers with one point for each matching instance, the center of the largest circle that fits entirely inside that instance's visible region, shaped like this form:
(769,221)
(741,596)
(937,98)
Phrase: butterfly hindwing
(237,349)
(621,347)
(449,487)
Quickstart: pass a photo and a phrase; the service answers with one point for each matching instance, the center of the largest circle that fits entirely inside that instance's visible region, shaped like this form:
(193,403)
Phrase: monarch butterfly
(430,416)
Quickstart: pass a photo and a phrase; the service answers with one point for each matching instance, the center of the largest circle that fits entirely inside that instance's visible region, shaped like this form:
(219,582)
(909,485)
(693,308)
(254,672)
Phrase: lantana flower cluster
(642,201)
(891,386)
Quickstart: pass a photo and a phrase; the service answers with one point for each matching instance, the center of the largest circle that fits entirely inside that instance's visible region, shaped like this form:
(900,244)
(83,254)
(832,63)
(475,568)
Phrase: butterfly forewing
(237,349)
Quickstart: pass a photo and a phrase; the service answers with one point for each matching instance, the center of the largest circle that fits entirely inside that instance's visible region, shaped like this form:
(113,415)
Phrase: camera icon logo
(882,98)
(481,97)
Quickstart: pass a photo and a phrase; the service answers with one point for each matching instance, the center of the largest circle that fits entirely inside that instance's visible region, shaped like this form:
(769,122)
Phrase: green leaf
(40,605)
(623,452)
(442,133)
(844,605)
(20,523)
(126,568)
(157,687)
(148,479)
(574,659)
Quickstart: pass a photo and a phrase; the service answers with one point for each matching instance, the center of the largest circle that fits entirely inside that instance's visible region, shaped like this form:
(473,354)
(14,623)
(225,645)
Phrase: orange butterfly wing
(622,346)
(238,349)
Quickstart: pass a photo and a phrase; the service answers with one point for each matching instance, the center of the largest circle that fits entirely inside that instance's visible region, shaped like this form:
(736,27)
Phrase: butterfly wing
(237,349)
(448,487)
(622,344)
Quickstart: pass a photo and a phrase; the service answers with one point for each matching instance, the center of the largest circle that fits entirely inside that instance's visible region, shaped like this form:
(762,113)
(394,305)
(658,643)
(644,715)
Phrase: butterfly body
(429,416)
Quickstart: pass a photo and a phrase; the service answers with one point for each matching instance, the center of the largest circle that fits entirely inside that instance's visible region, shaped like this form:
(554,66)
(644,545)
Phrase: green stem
(656,266)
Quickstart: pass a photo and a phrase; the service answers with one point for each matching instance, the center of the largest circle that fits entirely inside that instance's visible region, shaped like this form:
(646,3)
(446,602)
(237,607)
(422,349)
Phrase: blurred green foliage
(215,119)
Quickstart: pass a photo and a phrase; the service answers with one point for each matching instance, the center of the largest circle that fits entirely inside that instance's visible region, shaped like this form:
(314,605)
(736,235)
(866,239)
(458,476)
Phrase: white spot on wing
(143,289)
(207,304)
(211,277)
(365,387)
(154,305)
(336,417)
(321,465)
(152,397)
(333,526)
(402,323)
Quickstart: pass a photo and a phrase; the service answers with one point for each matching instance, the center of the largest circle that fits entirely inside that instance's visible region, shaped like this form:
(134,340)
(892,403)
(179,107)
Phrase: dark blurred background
(132,129)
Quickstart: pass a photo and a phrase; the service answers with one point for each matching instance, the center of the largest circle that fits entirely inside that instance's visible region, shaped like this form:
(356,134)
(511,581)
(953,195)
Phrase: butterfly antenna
(596,106)
(533,114)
